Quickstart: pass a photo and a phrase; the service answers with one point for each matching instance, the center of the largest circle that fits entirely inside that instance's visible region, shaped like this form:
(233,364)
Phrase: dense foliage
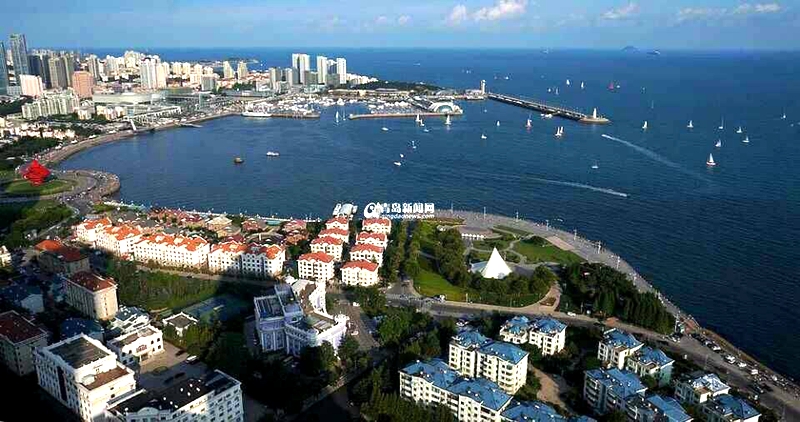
(18,219)
(403,86)
(611,293)
(155,290)
(393,258)
(13,107)
(25,146)
(196,339)
(391,408)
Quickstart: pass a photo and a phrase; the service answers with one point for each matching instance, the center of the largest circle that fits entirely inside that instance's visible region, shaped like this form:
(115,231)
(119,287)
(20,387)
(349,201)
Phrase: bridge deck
(548,109)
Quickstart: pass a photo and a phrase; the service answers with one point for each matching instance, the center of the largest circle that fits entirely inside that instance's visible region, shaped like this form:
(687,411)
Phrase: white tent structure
(495,267)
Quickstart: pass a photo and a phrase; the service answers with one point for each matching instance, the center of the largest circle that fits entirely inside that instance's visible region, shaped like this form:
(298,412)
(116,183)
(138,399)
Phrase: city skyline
(607,24)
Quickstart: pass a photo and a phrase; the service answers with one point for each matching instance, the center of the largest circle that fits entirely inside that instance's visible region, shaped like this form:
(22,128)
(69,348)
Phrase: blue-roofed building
(474,355)
(655,409)
(607,390)
(72,327)
(653,362)
(548,334)
(483,392)
(534,411)
(699,387)
(727,408)
(615,347)
(24,296)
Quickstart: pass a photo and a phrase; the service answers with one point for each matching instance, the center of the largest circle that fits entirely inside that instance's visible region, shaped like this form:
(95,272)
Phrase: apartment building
(360,273)
(343,235)
(651,362)
(377,239)
(548,334)
(377,225)
(699,387)
(727,408)
(341,223)
(118,240)
(316,266)
(83,375)
(615,347)
(473,355)
(18,339)
(137,347)
(234,257)
(328,245)
(88,231)
(655,408)
(172,250)
(367,252)
(57,258)
(93,295)
(607,390)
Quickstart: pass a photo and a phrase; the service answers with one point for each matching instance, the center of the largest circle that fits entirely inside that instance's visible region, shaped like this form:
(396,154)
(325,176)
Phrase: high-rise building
(30,85)
(322,70)
(69,67)
(3,70)
(301,64)
(19,54)
(290,75)
(38,66)
(341,70)
(241,70)
(147,73)
(208,82)
(58,73)
(274,78)
(227,70)
(82,83)
(186,68)
(93,66)
(112,68)
(162,74)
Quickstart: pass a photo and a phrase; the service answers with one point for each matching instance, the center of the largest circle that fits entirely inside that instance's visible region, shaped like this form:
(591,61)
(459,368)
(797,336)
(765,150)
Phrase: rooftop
(92,281)
(369,235)
(505,351)
(670,408)
(710,383)
(19,292)
(619,338)
(334,232)
(327,240)
(647,355)
(72,327)
(364,265)
(180,320)
(471,338)
(64,252)
(726,404)
(531,412)
(78,351)
(481,390)
(103,378)
(548,325)
(366,247)
(435,371)
(15,328)
(623,383)
(316,256)
(178,395)
(136,335)
(380,221)
(517,325)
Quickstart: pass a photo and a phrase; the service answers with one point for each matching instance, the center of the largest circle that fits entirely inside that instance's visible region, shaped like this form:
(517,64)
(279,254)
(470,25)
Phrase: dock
(400,115)
(557,111)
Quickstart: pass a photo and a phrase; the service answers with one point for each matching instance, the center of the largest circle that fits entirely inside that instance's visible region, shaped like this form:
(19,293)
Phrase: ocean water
(721,242)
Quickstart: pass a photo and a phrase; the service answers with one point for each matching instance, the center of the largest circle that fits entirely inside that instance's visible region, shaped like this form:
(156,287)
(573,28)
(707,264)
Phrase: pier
(189,125)
(399,115)
(556,111)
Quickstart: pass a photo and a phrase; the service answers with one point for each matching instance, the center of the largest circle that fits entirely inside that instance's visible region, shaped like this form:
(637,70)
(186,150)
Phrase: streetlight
(547,225)
(575,235)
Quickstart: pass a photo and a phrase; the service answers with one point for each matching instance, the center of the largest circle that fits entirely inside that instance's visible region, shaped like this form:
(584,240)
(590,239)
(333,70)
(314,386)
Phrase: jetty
(556,111)
(184,124)
(399,115)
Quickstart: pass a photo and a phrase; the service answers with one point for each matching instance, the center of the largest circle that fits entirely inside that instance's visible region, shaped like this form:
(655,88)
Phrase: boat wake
(580,186)
(656,157)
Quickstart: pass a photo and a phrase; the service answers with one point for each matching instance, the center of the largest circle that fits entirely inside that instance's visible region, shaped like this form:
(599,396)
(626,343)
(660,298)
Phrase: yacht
(529,124)
(718,144)
(385,129)
(273,154)
(746,140)
(690,125)
(483,136)
(547,115)
(595,166)
(398,164)
(739,130)
(644,126)
(710,161)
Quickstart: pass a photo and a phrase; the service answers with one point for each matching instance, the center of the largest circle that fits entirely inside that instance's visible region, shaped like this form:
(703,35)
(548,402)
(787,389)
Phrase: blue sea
(720,242)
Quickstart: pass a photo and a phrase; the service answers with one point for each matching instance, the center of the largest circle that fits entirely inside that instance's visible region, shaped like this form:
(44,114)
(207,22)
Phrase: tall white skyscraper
(162,73)
(341,70)
(241,70)
(301,64)
(148,74)
(322,70)
(227,70)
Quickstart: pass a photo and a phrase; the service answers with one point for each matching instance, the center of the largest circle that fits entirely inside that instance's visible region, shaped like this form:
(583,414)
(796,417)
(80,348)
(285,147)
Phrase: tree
(348,350)
(530,389)
(615,416)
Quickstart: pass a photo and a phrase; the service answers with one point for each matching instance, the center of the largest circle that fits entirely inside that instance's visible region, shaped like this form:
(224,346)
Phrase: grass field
(518,232)
(429,283)
(537,249)
(25,188)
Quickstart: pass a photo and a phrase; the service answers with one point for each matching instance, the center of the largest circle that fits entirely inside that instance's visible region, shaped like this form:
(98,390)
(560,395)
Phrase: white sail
(483,136)
(722,124)
(746,140)
(644,126)
(418,120)
(498,123)
(739,130)
(718,144)
(447,121)
(690,125)
(568,83)
(528,123)
(337,117)
(581,85)
(710,161)
(594,113)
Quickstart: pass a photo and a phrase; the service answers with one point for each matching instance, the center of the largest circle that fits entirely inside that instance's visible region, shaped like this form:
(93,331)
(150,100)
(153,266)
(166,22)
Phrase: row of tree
(157,290)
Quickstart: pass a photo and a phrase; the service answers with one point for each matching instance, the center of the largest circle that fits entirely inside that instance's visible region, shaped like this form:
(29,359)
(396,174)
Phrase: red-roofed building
(315,266)
(360,273)
(340,223)
(377,225)
(367,252)
(343,235)
(329,245)
(88,231)
(118,240)
(172,251)
(93,295)
(18,339)
(241,258)
(293,226)
(377,239)
(58,258)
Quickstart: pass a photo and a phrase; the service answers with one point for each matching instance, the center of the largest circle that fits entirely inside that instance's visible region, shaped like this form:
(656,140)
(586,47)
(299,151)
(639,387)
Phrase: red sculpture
(35,173)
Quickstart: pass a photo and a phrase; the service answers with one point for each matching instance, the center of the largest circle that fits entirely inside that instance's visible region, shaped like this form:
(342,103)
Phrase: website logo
(400,210)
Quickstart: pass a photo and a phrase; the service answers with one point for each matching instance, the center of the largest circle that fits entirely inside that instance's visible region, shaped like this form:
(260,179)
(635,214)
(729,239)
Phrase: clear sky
(676,24)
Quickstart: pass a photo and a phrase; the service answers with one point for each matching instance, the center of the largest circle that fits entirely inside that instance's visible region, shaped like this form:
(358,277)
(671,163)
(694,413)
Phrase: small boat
(746,140)
(413,145)
(718,144)
(484,110)
(528,123)
(722,124)
(595,166)
(498,123)
(690,125)
(447,121)
(273,154)
(402,156)
(547,115)
(710,161)
(418,119)
(568,83)
(644,126)
(238,160)
(611,86)
(426,130)
(385,129)
(739,130)
(581,85)
(560,132)
(483,136)
(783,117)
(398,164)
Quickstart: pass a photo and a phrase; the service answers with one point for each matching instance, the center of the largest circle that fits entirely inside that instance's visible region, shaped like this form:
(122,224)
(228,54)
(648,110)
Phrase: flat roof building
(93,295)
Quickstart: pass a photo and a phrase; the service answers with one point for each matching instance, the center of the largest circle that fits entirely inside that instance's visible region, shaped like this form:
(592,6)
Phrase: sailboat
(746,140)
(783,117)
(595,166)
(644,126)
(718,144)
(710,161)
(421,123)
(581,85)
(568,83)
(560,132)
(722,124)
(690,125)
(498,123)
(483,136)
(413,145)
(418,120)
(739,130)
(337,117)
(529,124)
(447,121)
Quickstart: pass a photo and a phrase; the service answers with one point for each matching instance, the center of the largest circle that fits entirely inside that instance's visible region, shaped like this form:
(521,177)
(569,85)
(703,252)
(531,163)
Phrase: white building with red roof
(118,240)
(317,266)
(370,238)
(240,258)
(340,223)
(93,295)
(88,231)
(329,245)
(18,339)
(377,225)
(172,250)
(343,235)
(360,273)
(367,252)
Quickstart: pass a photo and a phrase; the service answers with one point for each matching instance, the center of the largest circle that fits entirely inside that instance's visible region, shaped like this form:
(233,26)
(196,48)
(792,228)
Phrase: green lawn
(518,232)
(23,187)
(429,283)
(537,249)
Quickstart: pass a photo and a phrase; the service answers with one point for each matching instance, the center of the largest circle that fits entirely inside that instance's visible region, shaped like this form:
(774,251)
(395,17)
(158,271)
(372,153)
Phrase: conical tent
(495,267)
